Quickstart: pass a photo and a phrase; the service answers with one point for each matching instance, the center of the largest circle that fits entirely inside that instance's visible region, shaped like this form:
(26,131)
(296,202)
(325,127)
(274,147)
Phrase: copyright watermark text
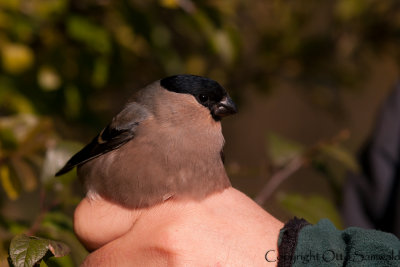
(330,255)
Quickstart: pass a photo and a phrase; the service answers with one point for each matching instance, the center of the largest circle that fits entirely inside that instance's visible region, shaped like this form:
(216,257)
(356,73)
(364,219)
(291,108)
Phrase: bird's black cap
(206,91)
(194,85)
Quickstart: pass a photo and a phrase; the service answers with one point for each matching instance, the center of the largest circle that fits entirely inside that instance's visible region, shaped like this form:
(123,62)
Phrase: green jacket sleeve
(302,244)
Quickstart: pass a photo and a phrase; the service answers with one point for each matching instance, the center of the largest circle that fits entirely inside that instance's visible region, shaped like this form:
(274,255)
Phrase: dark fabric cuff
(288,241)
(323,245)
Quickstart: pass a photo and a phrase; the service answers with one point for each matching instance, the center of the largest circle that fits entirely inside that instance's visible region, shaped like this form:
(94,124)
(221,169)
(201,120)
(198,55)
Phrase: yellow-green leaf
(282,150)
(312,208)
(73,101)
(341,155)
(7,184)
(16,58)
(100,72)
(92,35)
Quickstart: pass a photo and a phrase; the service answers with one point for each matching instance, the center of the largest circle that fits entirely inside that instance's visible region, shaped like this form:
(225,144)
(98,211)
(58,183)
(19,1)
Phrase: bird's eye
(203,98)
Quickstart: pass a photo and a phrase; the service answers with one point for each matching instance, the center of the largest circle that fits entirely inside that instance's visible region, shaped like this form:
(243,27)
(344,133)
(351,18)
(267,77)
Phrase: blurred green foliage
(63,63)
(68,56)
(329,158)
(30,154)
(313,208)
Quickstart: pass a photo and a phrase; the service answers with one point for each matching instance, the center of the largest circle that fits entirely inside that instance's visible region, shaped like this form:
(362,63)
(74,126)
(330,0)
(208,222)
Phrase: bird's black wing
(117,133)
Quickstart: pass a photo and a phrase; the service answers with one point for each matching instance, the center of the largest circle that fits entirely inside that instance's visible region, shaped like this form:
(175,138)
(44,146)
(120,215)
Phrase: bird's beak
(224,108)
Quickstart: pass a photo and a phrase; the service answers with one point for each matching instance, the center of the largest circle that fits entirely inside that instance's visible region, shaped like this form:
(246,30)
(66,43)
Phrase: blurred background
(308,77)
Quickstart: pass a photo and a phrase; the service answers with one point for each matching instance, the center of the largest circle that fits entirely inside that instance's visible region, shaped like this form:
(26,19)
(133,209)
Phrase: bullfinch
(165,143)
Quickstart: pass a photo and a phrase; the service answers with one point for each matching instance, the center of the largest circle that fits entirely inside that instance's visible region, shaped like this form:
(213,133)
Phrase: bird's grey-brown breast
(175,152)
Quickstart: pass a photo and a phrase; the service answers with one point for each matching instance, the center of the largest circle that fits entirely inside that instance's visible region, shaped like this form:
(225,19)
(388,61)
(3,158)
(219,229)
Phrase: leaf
(341,155)
(16,58)
(100,72)
(282,150)
(78,254)
(312,208)
(27,251)
(73,101)
(7,183)
(58,249)
(92,35)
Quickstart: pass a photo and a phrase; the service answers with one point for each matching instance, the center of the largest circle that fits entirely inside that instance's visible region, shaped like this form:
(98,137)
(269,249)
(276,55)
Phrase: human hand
(225,229)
